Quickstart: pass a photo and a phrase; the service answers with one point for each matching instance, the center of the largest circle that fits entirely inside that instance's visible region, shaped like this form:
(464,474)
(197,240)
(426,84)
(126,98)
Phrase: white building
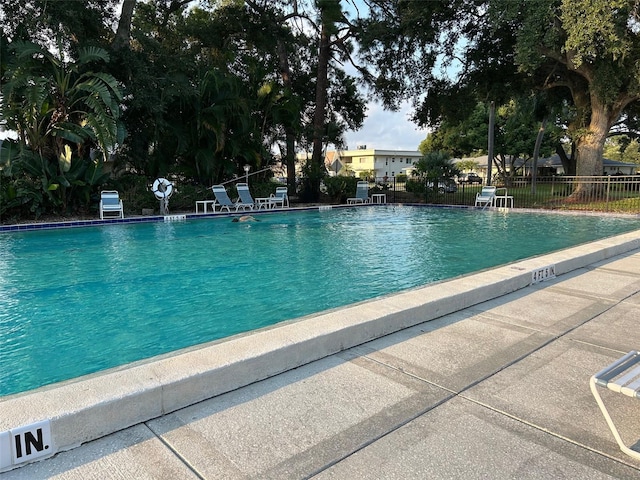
(373,163)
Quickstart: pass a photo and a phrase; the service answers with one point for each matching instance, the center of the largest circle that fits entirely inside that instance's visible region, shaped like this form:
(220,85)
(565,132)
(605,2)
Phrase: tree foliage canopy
(583,55)
(203,88)
(207,87)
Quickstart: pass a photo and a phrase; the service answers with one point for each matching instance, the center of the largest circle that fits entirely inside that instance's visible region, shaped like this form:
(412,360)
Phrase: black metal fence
(616,193)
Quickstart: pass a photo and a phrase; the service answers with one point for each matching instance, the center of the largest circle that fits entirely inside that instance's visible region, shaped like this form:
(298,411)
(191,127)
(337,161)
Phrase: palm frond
(111,82)
(71,132)
(91,54)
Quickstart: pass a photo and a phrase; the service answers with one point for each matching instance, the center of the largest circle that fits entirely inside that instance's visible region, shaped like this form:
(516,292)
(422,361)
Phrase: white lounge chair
(362,194)
(280,198)
(622,376)
(110,205)
(486,197)
(223,201)
(246,200)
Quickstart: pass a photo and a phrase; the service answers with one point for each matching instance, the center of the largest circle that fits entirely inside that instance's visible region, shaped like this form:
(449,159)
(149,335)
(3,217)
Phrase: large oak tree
(447,55)
(589,49)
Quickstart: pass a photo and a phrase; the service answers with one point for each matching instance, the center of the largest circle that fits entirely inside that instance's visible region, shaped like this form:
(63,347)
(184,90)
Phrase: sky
(386,130)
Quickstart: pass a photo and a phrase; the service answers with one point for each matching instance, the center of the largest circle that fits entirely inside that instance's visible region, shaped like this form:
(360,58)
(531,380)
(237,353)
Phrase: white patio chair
(486,197)
(362,194)
(280,198)
(110,205)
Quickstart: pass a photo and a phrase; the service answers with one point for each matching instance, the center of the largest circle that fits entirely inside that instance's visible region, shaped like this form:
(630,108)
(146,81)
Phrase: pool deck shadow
(483,376)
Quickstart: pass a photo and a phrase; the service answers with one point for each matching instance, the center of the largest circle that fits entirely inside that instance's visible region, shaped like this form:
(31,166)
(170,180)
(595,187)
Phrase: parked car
(447,186)
(469,178)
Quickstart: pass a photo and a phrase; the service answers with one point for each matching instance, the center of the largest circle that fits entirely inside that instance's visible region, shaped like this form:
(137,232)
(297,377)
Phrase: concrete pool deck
(483,376)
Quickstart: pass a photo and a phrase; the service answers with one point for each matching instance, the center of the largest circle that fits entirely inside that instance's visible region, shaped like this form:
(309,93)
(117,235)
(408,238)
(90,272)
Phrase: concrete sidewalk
(496,390)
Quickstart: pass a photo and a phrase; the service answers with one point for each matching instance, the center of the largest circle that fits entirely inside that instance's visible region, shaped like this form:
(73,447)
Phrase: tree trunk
(324,55)
(568,162)
(589,148)
(491,137)
(123,33)
(536,154)
(290,136)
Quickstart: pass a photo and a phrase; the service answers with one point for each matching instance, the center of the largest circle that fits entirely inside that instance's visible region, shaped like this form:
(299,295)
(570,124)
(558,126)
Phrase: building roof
(552,161)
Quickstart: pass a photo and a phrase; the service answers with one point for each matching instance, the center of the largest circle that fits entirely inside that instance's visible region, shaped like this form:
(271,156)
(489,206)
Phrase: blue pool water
(81,300)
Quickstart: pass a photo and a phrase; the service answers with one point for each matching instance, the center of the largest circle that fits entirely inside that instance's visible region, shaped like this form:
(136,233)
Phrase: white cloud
(386,130)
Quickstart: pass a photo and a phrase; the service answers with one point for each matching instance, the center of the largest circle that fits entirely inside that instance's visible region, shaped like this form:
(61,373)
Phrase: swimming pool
(78,301)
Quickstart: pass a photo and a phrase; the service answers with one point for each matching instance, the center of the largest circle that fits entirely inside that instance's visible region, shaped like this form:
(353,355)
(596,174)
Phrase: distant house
(371,162)
(480,168)
(553,166)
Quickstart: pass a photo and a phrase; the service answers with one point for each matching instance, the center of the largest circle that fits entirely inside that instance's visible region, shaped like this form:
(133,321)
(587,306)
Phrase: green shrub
(263,188)
(340,188)
(415,186)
